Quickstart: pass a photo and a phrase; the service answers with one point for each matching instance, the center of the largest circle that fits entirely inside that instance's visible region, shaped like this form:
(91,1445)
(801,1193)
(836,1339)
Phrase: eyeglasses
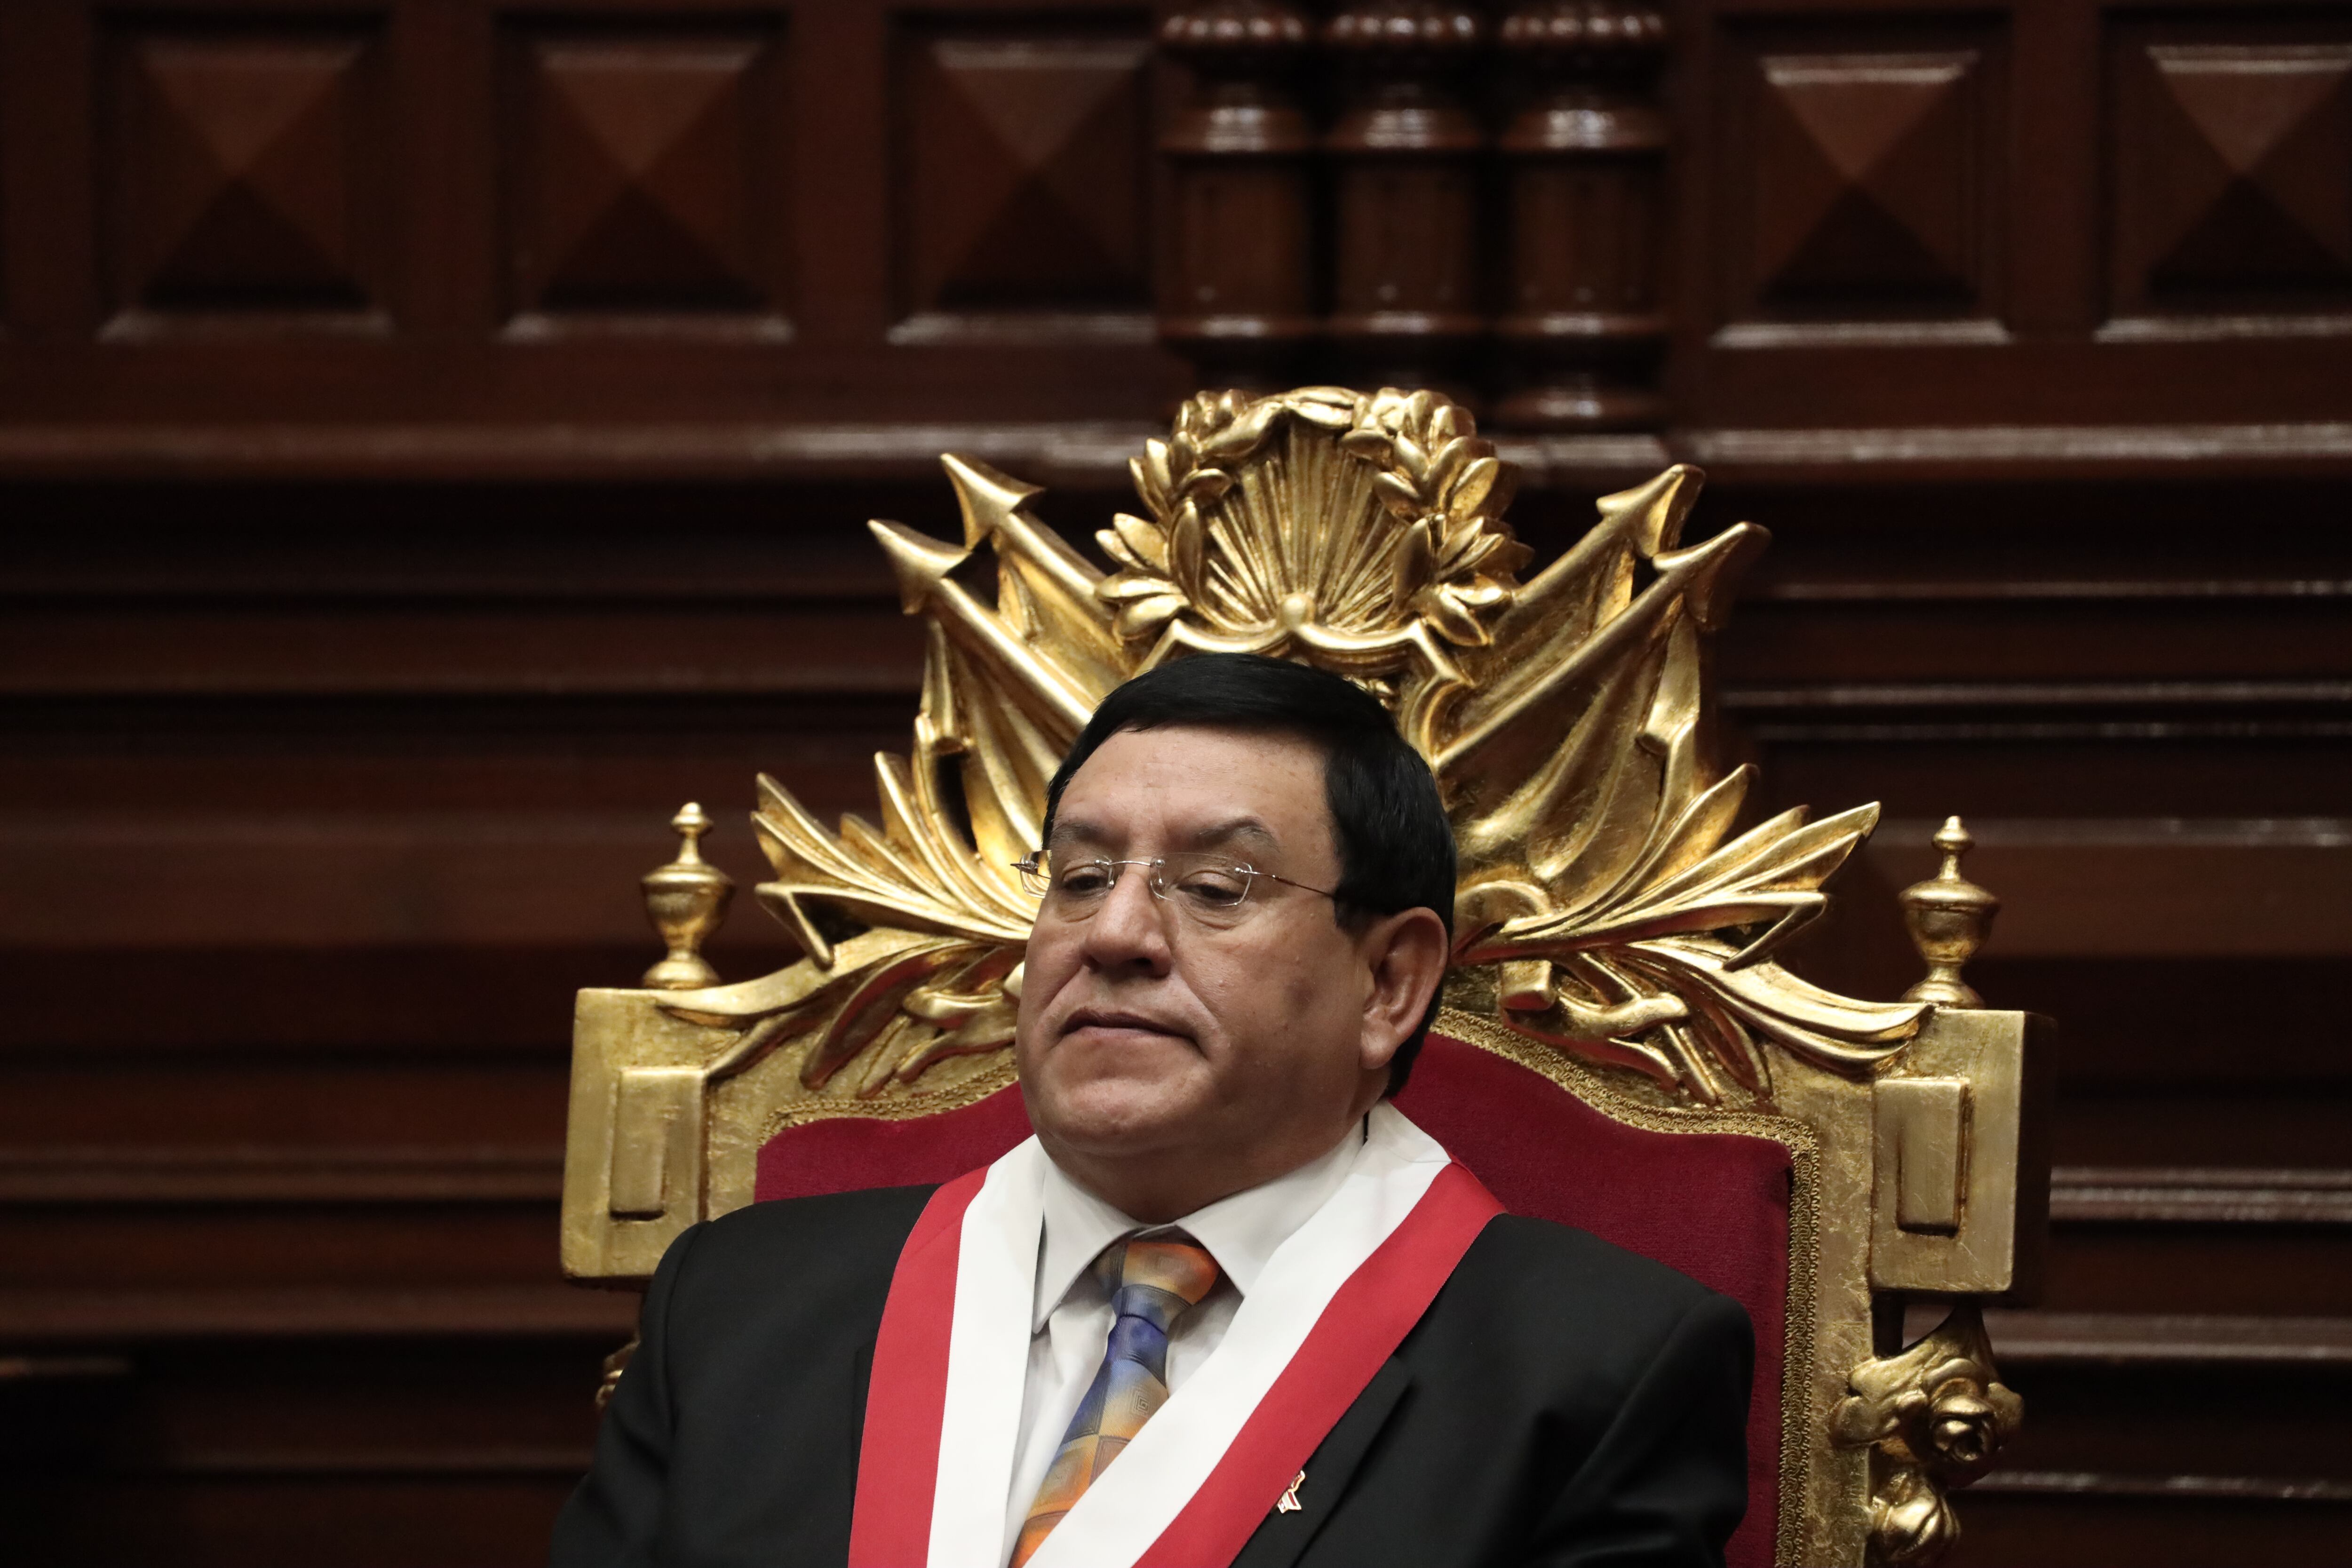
(1209,888)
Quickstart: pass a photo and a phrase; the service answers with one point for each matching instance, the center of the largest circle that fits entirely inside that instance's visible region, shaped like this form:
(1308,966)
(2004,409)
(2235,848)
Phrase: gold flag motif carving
(1606,905)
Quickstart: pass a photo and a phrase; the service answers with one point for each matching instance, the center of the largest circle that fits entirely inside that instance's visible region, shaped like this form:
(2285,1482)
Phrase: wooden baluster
(1584,325)
(1237,294)
(1406,306)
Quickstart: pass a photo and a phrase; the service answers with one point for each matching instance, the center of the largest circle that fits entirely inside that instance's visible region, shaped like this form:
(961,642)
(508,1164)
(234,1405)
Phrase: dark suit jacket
(1561,1401)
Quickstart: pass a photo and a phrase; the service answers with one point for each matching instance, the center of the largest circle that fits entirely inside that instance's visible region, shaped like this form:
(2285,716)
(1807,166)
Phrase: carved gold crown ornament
(1616,929)
(1605,906)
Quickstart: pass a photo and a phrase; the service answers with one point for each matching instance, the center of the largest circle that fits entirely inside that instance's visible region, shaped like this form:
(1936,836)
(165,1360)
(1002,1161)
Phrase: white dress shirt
(1071,1317)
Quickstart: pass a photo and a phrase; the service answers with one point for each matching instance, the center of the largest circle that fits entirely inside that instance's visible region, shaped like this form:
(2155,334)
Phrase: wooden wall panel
(2231,155)
(1023,178)
(2016,293)
(247,173)
(522,238)
(1860,176)
(416,237)
(646,170)
(315,831)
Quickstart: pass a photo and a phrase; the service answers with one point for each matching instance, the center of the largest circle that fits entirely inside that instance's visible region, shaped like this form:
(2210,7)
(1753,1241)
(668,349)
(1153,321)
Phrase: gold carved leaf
(1607,896)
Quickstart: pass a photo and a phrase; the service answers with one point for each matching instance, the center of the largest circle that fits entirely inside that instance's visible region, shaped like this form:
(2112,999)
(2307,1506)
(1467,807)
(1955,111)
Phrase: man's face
(1145,1034)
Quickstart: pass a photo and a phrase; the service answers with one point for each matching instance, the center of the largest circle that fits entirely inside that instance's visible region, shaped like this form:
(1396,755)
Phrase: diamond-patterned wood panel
(247,169)
(2233,175)
(646,172)
(1024,173)
(1860,179)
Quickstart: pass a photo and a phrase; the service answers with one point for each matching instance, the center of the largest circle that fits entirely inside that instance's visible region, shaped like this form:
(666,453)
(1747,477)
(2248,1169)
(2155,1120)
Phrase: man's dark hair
(1396,850)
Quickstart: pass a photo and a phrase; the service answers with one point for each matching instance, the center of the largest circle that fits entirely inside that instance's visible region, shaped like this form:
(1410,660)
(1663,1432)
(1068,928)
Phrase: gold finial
(1949,918)
(685,899)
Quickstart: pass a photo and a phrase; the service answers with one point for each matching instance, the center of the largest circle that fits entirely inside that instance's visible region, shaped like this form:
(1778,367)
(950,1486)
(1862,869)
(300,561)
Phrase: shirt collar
(1240,1232)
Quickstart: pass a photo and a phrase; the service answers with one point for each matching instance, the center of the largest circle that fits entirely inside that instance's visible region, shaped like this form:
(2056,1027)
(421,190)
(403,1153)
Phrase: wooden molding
(148,1174)
(2025,1338)
(2019,450)
(35,1317)
(355,1464)
(1094,454)
(2200,1488)
(2088,1195)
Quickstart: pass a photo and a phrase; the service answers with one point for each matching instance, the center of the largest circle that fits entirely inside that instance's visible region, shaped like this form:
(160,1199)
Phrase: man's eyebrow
(1069,830)
(1246,830)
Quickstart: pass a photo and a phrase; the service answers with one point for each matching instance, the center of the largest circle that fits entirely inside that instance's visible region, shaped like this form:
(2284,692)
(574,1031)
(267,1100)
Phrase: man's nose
(1130,929)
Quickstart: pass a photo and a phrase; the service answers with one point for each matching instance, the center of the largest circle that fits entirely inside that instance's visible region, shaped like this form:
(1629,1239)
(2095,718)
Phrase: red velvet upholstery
(1713,1205)
(848,1154)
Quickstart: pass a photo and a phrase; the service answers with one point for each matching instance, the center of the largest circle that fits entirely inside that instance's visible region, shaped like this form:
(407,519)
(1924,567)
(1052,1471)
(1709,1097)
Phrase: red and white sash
(943,1408)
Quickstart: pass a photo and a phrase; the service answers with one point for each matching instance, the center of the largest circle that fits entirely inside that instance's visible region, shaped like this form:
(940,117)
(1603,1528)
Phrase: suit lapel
(1280,1540)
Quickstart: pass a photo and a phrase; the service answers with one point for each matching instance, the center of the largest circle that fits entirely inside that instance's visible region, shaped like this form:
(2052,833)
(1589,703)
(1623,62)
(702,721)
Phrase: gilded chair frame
(1614,934)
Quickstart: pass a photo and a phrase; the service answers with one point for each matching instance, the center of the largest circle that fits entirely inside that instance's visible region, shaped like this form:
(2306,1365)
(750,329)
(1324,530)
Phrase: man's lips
(1114,1020)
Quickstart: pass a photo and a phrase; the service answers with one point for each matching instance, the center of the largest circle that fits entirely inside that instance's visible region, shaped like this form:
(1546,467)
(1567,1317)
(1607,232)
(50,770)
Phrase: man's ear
(1406,954)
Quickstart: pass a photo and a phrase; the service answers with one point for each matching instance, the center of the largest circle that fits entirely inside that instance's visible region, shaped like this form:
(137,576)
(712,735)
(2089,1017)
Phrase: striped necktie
(1151,1284)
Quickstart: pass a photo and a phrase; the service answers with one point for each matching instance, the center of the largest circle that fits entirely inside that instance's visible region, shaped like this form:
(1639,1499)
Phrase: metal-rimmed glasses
(1206,886)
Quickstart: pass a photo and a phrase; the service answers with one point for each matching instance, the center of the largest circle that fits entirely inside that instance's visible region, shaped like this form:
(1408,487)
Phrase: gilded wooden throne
(1619,1048)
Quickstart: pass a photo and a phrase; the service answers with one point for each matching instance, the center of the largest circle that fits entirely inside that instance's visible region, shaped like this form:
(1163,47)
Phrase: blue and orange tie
(1151,1284)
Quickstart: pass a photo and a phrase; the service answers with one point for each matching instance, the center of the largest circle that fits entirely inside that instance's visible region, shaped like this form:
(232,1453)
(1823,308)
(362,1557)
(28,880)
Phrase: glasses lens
(1072,888)
(1085,878)
(1210,888)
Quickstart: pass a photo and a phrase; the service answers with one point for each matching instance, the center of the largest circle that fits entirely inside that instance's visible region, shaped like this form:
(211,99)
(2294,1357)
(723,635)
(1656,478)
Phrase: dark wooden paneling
(1860,176)
(1023,178)
(194,1115)
(646,171)
(277,1510)
(247,174)
(2177,1417)
(1923,232)
(414,237)
(258,1452)
(2293,1270)
(2183,1526)
(437,435)
(2232,154)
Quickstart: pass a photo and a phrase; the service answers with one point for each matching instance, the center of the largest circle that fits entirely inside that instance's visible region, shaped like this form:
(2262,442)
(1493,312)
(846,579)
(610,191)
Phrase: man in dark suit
(1229,1305)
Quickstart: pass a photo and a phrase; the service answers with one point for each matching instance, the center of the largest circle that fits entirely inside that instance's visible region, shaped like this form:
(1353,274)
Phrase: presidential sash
(943,1407)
